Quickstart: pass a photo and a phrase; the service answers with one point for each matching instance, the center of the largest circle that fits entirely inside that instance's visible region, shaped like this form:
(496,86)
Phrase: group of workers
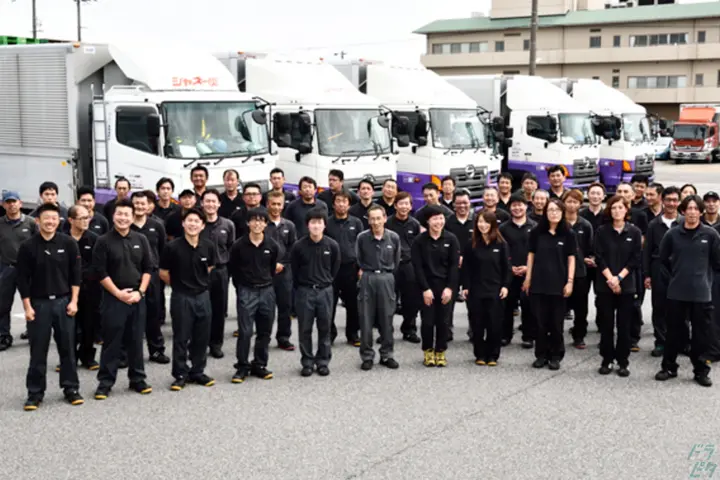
(89,278)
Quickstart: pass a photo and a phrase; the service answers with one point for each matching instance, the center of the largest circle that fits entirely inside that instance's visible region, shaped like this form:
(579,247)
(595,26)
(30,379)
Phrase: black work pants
(549,311)
(155,296)
(615,314)
(255,307)
(314,305)
(88,320)
(376,303)
(219,282)
(191,317)
(345,287)
(486,320)
(122,329)
(700,315)
(578,302)
(8,279)
(636,327)
(515,295)
(434,328)
(658,295)
(714,349)
(51,319)
(410,297)
(282,284)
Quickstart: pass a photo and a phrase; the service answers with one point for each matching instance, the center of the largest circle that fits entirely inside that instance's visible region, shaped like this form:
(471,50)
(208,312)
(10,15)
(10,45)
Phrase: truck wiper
(455,147)
(359,153)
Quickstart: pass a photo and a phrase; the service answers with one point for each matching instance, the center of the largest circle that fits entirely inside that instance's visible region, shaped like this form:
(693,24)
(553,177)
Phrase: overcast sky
(378,29)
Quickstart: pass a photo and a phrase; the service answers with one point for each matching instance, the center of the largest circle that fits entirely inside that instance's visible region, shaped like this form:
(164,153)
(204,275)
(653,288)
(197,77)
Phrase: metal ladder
(99,134)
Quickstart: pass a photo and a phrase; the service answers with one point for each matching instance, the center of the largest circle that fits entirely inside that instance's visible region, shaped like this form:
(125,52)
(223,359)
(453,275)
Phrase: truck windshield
(456,128)
(689,132)
(576,129)
(351,132)
(208,128)
(636,127)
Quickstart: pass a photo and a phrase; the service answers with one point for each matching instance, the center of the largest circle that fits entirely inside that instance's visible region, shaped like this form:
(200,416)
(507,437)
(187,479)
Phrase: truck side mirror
(305,124)
(259,116)
(552,137)
(663,124)
(553,126)
(508,142)
(711,133)
(498,124)
(421,130)
(304,127)
(401,130)
(282,127)
(509,132)
(153,125)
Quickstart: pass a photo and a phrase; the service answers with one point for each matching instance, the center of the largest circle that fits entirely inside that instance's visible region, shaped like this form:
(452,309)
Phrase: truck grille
(644,163)
(473,178)
(585,168)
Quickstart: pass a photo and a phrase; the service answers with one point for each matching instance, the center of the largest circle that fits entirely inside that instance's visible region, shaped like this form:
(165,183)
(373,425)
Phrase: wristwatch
(620,277)
(142,294)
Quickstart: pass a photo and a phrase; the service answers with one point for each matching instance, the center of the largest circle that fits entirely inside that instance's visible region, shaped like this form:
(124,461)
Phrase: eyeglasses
(251,194)
(82,219)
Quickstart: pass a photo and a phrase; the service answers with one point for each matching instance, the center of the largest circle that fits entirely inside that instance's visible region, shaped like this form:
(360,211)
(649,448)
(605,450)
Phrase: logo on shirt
(136,247)
(352,228)
(152,229)
(97,227)
(267,252)
(223,231)
(326,252)
(580,231)
(495,250)
(24,230)
(560,244)
(628,239)
(87,247)
(410,231)
(203,259)
(389,247)
(704,241)
(61,251)
(447,245)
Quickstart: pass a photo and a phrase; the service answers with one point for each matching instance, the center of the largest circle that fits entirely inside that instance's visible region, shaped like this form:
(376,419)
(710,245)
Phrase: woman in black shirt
(618,250)
(549,280)
(486,277)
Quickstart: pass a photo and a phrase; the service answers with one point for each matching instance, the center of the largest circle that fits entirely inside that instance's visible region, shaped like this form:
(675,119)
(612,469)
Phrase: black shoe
(57,368)
(216,351)
(240,376)
(123,364)
(323,370)
(333,337)
(33,403)
(634,348)
(658,351)
(379,340)
(262,372)
(390,363)
(605,369)
(102,393)
(178,384)
(703,380)
(306,371)
(539,363)
(354,342)
(554,365)
(73,397)
(450,337)
(141,387)
(411,337)
(160,357)
(24,335)
(286,345)
(5,343)
(579,344)
(91,365)
(623,372)
(367,365)
(203,380)
(504,342)
(527,344)
(663,375)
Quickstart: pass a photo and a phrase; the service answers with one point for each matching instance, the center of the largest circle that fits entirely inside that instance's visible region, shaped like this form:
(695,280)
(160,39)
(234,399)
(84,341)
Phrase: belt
(51,297)
(316,286)
(258,287)
(221,267)
(379,271)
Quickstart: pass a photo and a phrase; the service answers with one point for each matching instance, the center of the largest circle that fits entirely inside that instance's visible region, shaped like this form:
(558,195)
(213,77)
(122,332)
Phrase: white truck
(550,127)
(626,139)
(320,121)
(83,114)
(449,135)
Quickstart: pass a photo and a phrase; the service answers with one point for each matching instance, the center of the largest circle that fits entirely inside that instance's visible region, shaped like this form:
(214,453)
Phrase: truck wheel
(714,157)
(678,161)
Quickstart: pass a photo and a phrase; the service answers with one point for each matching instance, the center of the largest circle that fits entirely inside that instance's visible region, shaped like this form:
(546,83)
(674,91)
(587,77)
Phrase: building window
(596,78)
(661,81)
(595,42)
(616,70)
(455,48)
(440,48)
(699,79)
(659,39)
(478,47)
(638,40)
(511,72)
(500,46)
(615,81)
(595,30)
(616,41)
(526,44)
(701,36)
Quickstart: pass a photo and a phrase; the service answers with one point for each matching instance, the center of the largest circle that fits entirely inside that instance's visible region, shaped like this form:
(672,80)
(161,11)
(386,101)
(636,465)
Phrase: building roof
(657,13)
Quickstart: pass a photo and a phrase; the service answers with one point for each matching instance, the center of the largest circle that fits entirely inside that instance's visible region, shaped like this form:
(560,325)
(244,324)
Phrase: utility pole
(533,36)
(79,20)
(34,19)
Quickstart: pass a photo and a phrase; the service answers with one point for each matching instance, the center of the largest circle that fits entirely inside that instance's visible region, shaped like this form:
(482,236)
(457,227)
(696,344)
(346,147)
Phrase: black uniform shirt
(552,194)
(584,236)
(189,266)
(289,197)
(616,251)
(85,245)
(375,255)
(651,250)
(517,238)
(328,197)
(550,264)
(298,209)
(221,233)
(361,211)
(502,215)
(173,224)
(48,267)
(407,230)
(420,214)
(534,216)
(124,259)
(595,220)
(463,231)
(345,232)
(650,215)
(154,231)
(12,235)
(164,213)
(503,205)
(436,262)
(285,235)
(389,209)
(251,265)
(315,263)
(639,205)
(240,220)
(228,206)
(486,269)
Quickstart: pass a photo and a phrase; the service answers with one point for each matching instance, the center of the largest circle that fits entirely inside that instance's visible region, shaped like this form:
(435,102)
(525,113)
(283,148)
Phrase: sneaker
(579,344)
(663,375)
(160,357)
(92,365)
(390,363)
(411,337)
(658,351)
(262,372)
(57,368)
(102,393)
(623,372)
(354,342)
(504,342)
(703,380)
(554,365)
(306,371)
(240,376)
(527,344)
(440,359)
(480,362)
(605,369)
(178,384)
(539,363)
(286,345)
(492,363)
(323,370)
(236,333)
(203,380)
(429,358)
(141,387)
(634,348)
(32,403)
(367,365)
(73,397)
(123,363)
(216,351)
(24,335)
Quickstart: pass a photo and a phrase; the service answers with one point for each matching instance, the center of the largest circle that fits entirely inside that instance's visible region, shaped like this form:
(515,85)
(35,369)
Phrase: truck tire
(678,161)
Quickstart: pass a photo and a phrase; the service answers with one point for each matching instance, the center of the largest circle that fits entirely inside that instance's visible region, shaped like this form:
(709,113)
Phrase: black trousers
(515,295)
(219,282)
(8,279)
(549,311)
(282,284)
(434,327)
(578,302)
(51,319)
(636,327)
(714,349)
(486,320)
(700,315)
(314,305)
(191,318)
(122,329)
(615,313)
(88,319)
(345,288)
(658,295)
(155,297)
(410,297)
(255,307)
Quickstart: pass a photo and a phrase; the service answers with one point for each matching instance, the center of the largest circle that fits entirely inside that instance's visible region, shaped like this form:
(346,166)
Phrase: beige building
(660,56)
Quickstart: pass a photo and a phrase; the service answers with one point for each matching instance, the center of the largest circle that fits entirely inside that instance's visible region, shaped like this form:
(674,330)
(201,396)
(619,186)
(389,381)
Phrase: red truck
(695,134)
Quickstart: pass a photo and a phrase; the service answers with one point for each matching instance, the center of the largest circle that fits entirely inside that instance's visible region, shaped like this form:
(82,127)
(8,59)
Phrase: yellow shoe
(429,358)
(492,364)
(440,359)
(480,362)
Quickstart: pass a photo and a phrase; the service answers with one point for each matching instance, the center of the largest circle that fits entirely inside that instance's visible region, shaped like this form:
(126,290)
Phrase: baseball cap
(712,195)
(8,195)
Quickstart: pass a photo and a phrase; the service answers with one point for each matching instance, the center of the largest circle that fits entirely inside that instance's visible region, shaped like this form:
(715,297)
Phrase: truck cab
(320,121)
(448,134)
(626,139)
(550,127)
(695,134)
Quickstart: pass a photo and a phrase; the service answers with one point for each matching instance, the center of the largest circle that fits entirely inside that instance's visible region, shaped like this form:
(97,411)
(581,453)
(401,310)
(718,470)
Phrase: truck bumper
(540,171)
(705,155)
(611,173)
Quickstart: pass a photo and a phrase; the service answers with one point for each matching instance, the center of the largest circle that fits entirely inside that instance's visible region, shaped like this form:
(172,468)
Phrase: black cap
(712,195)
(517,197)
(257,213)
(186,193)
(432,210)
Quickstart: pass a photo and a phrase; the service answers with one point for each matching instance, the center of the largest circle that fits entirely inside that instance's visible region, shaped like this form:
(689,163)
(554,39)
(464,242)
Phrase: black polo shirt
(125,259)
(617,250)
(154,231)
(651,250)
(164,213)
(378,254)
(595,219)
(48,267)
(228,206)
(501,215)
(85,245)
(517,238)
(189,266)
(345,232)
(650,215)
(221,233)
(285,235)
(407,230)
(462,230)
(550,264)
(486,268)
(436,262)
(389,209)
(328,197)
(173,224)
(584,236)
(315,263)
(254,265)
(361,211)
(298,209)
(240,220)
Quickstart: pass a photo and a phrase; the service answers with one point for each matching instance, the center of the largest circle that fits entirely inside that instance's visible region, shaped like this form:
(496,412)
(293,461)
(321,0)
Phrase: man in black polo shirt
(315,261)
(231,199)
(98,223)
(123,262)
(253,263)
(461,225)
(298,209)
(185,265)
(165,205)
(491,197)
(556,177)
(122,190)
(336,184)
(344,229)
(431,195)
(173,222)
(360,209)
(389,193)
(690,252)
(277,183)
(199,177)
(251,196)
(221,233)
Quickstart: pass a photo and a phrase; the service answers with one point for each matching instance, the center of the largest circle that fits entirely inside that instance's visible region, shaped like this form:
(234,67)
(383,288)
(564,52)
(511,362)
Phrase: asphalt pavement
(460,422)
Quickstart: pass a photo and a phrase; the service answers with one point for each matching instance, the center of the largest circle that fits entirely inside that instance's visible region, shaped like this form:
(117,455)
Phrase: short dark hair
(689,185)
(163,181)
(252,185)
(231,170)
(555,168)
(124,203)
(256,213)
(403,196)
(139,194)
(315,213)
(625,183)
(123,179)
(339,174)
(375,207)
(657,186)
(47,207)
(200,168)
(430,186)
(277,170)
(211,191)
(342,194)
(671,190)
(152,198)
(598,185)
(195,211)
(389,180)
(48,186)
(530,176)
(692,198)
(307,179)
(640,178)
(613,200)
(508,176)
(85,190)
(448,178)
(463,192)
(367,181)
